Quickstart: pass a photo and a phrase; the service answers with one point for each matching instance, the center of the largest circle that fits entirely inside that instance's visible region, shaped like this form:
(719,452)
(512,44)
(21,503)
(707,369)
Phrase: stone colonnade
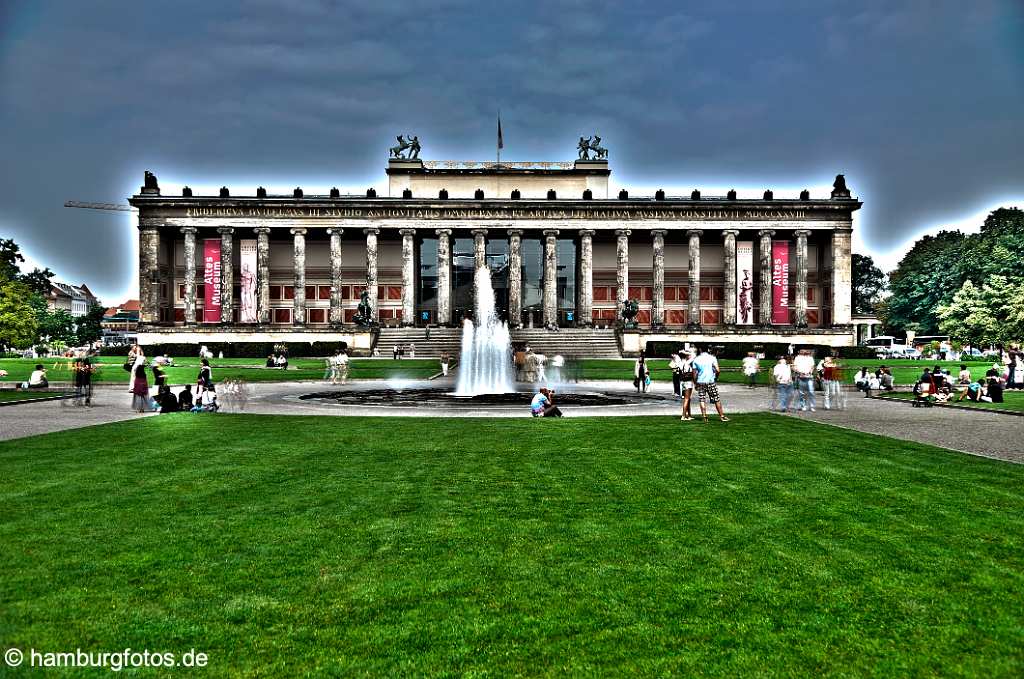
(149,241)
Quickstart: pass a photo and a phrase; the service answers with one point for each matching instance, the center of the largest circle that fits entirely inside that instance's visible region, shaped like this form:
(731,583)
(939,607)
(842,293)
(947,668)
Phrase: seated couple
(543,404)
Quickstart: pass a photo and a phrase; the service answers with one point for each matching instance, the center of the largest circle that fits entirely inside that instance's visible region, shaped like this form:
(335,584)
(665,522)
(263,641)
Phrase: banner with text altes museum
(780,282)
(211,280)
(744,282)
(247,275)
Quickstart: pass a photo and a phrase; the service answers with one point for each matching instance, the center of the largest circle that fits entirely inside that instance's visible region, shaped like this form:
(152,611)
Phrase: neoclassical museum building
(562,252)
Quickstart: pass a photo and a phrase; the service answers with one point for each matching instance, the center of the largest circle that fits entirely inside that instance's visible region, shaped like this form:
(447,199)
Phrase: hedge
(663,349)
(234,349)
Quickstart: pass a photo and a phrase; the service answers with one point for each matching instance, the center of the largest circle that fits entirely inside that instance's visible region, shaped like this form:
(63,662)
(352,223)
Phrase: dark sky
(920,104)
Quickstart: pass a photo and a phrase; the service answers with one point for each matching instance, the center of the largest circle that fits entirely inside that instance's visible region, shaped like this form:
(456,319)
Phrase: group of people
(337,367)
(795,377)
(278,360)
(881,379)
(205,397)
(937,385)
(398,351)
(693,369)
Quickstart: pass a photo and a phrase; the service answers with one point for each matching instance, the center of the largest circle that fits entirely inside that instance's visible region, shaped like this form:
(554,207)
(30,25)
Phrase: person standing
(83,377)
(675,364)
(803,365)
(828,381)
(140,387)
(782,374)
(640,373)
(751,366)
(687,377)
(445,360)
(707,371)
(343,366)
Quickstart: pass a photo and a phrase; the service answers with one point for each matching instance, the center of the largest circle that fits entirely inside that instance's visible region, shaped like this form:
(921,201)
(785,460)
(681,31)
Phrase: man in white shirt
(783,376)
(706,368)
(803,366)
(750,369)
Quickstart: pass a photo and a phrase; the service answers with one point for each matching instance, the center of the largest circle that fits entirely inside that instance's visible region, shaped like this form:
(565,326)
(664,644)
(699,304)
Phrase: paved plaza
(976,432)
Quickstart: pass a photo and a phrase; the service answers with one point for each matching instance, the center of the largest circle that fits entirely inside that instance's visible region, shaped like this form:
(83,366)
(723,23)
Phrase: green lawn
(186,370)
(12,395)
(1013,400)
(314,546)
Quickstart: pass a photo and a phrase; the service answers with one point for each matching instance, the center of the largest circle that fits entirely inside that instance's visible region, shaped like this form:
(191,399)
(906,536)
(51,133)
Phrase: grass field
(11,395)
(185,370)
(313,546)
(1013,400)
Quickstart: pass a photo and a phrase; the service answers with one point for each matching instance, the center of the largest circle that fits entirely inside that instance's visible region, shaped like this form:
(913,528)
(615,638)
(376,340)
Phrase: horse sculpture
(630,309)
(396,151)
(589,144)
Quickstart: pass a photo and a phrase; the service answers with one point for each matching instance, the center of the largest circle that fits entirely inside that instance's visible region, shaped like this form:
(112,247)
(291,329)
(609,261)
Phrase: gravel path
(975,432)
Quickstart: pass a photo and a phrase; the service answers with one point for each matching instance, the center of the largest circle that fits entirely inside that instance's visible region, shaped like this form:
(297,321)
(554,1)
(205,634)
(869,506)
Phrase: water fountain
(485,365)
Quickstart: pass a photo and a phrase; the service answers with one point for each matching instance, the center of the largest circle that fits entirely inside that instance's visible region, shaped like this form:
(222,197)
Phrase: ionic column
(801,277)
(693,306)
(585,285)
(371,270)
(621,267)
(479,262)
(408,277)
(337,316)
(842,276)
(299,263)
(515,278)
(262,274)
(227,274)
(729,264)
(149,271)
(550,279)
(658,292)
(765,253)
(444,276)
(190,274)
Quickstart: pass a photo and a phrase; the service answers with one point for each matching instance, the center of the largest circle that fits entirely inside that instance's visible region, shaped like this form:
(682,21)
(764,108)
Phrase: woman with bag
(641,375)
(140,387)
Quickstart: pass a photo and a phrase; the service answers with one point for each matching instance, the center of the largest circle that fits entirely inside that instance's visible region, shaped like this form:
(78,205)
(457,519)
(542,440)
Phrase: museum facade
(562,253)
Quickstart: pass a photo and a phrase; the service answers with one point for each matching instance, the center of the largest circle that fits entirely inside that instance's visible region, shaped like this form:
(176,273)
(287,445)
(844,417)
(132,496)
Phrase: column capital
(371,229)
(695,232)
(407,232)
(656,233)
(262,229)
(730,232)
(802,233)
(297,232)
(550,233)
(766,232)
(622,232)
(331,230)
(150,223)
(586,233)
(188,229)
(515,233)
(225,230)
(443,232)
(479,231)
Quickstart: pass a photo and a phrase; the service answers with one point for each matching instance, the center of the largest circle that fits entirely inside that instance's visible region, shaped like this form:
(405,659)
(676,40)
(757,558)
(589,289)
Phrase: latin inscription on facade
(495,213)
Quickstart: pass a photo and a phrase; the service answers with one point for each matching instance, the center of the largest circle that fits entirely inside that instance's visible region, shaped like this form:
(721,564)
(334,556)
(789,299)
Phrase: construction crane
(120,207)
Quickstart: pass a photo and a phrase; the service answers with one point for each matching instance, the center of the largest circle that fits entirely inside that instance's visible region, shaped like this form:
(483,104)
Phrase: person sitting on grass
(166,400)
(863,380)
(543,405)
(271,363)
(37,380)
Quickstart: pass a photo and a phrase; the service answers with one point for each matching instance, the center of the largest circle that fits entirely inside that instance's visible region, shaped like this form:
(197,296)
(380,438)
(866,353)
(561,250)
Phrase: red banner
(211,280)
(780,282)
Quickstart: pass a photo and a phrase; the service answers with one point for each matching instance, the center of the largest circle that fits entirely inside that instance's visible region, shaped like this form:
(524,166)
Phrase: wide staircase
(579,342)
(431,342)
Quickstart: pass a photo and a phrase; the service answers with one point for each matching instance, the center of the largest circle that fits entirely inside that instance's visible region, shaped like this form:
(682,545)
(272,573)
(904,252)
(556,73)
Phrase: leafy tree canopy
(868,284)
(18,325)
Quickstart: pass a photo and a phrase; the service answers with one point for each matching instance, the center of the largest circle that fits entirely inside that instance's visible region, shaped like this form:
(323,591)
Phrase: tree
(868,284)
(38,281)
(926,277)
(89,327)
(18,324)
(10,260)
(989,314)
(57,325)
